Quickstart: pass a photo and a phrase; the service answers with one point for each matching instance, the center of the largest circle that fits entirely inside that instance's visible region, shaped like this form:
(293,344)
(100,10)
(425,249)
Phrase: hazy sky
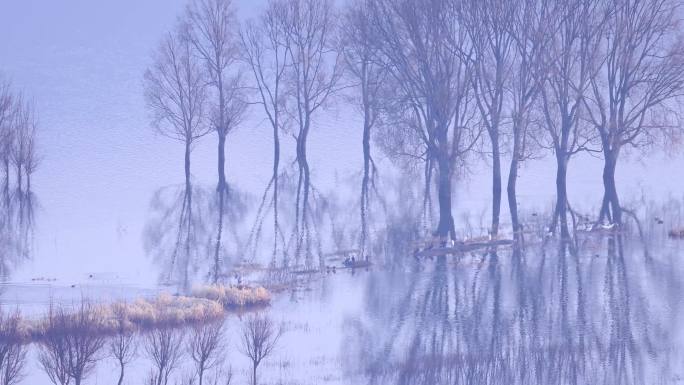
(83,62)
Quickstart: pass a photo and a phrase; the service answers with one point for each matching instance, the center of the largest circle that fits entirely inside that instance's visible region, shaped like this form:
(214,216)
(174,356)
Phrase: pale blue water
(506,320)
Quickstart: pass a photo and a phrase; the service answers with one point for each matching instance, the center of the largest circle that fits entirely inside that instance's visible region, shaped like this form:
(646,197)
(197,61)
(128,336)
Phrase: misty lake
(106,200)
(607,310)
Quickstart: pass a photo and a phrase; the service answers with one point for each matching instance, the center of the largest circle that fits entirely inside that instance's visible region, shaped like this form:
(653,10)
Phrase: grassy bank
(204,304)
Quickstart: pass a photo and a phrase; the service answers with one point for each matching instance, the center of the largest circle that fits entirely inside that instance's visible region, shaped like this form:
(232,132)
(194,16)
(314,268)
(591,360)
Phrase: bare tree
(31,158)
(70,343)
(572,62)
(22,119)
(122,347)
(7,109)
(212,30)
(264,46)
(529,29)
(206,347)
(259,338)
(634,98)
(212,26)
(164,348)
(13,349)
(53,354)
(24,158)
(427,51)
(18,131)
(313,73)
(175,91)
(489,24)
(368,73)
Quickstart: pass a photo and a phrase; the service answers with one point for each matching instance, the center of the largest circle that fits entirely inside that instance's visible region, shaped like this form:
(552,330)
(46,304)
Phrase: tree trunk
(188,192)
(6,187)
(510,189)
(427,194)
(20,193)
(221,130)
(611,203)
(121,374)
(217,251)
(446,220)
(19,179)
(222,190)
(221,162)
(254,374)
(496,184)
(305,211)
(276,165)
(303,196)
(364,183)
(187,166)
(562,195)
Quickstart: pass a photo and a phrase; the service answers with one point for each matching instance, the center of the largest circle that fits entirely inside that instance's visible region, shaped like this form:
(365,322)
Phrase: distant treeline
(438,85)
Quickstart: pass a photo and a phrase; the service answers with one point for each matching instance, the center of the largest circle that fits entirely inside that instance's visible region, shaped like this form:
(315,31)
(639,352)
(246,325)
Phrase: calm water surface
(603,310)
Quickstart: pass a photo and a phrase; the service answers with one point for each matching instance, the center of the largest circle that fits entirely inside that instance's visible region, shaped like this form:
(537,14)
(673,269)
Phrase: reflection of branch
(642,236)
(176,235)
(460,328)
(17,221)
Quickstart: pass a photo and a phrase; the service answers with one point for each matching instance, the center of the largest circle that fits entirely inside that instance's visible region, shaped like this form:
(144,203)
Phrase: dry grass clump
(111,319)
(234,296)
(207,304)
(167,310)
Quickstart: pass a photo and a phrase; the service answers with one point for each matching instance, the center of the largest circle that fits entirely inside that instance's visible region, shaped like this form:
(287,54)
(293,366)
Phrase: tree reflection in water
(181,237)
(598,311)
(17,218)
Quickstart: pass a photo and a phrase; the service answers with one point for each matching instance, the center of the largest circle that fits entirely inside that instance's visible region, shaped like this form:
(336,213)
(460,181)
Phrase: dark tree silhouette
(264,47)
(123,345)
(175,91)
(259,338)
(367,73)
(71,343)
(13,349)
(530,41)
(634,99)
(313,74)
(164,348)
(7,111)
(426,49)
(212,30)
(206,348)
(489,24)
(575,30)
